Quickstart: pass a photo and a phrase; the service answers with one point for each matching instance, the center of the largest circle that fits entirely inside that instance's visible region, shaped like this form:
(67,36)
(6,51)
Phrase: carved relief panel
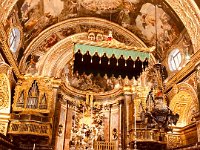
(5,103)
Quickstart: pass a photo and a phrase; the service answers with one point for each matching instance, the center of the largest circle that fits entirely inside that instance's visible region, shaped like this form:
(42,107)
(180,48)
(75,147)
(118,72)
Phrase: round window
(14,39)
(174,60)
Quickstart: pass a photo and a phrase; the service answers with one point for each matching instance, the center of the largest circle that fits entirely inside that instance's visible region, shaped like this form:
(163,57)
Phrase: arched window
(174,59)
(14,39)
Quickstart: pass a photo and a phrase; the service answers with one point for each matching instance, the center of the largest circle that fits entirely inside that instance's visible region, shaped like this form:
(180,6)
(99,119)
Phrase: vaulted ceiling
(43,24)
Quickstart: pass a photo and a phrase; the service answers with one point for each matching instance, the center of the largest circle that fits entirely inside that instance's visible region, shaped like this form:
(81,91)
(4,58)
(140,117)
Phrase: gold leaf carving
(34,94)
(2,128)
(4,91)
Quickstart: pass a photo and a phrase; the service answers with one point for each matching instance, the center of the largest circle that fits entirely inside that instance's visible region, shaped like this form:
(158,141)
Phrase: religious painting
(138,16)
(154,23)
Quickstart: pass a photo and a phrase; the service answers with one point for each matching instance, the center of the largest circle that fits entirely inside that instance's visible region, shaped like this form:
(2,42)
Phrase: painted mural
(141,17)
(137,16)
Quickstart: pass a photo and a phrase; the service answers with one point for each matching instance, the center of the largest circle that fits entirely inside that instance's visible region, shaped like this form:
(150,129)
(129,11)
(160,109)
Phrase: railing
(30,128)
(100,145)
(148,135)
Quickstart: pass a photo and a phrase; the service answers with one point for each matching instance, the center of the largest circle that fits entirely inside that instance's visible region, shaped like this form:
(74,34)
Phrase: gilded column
(198,83)
(198,95)
(5,103)
(110,109)
(127,104)
(120,125)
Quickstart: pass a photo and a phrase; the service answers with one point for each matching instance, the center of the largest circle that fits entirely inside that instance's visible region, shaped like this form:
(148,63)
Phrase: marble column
(128,98)
(60,135)
(198,83)
(110,109)
(197,69)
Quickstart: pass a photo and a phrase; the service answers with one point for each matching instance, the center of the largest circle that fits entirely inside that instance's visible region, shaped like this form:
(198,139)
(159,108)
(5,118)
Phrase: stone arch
(55,60)
(128,37)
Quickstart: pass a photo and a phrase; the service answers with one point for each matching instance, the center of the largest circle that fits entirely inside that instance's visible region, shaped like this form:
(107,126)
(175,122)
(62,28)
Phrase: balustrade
(30,128)
(101,145)
(148,135)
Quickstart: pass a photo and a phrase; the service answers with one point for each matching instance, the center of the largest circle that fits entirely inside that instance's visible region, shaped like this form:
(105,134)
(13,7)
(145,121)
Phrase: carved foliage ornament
(4,91)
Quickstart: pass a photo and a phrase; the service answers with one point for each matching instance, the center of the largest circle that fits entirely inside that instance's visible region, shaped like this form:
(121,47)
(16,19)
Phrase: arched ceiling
(138,16)
(135,16)
(40,46)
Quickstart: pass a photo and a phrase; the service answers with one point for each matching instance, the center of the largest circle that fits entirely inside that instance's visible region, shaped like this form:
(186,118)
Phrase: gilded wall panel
(174,141)
(3,128)
(5,103)
(5,98)
(34,94)
(183,100)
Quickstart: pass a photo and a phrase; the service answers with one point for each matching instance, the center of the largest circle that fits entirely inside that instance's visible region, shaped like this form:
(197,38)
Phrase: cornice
(104,95)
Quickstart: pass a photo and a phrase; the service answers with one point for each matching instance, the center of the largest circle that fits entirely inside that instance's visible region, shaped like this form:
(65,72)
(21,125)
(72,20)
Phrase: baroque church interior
(99,74)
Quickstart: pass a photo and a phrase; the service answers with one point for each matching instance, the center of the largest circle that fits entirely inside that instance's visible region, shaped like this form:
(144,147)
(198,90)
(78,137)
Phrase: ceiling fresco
(138,16)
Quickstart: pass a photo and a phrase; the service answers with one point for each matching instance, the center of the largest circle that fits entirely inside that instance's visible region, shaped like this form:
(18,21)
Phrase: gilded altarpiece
(5,103)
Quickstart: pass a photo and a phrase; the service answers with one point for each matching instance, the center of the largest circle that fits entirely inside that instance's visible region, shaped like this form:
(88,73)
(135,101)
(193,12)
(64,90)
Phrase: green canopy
(109,51)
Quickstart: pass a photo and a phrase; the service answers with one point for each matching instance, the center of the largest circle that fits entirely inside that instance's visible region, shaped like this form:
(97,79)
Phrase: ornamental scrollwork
(4,91)
(2,128)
